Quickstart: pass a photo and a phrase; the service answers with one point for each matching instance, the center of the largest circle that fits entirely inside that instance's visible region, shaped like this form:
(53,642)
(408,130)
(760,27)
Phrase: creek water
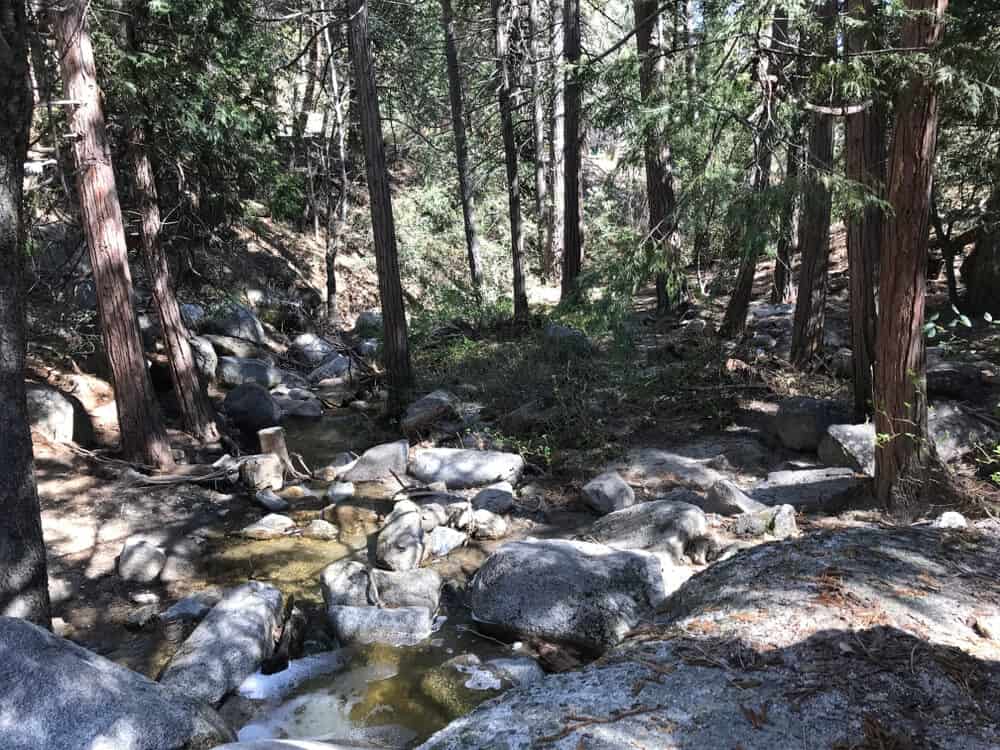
(374,696)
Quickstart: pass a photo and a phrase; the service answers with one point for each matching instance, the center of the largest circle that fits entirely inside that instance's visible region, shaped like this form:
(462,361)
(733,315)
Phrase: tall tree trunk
(538,93)
(23,573)
(981,272)
(397,347)
(781,287)
(336,214)
(458,127)
(573,152)
(754,237)
(864,140)
(503,12)
(301,120)
(143,436)
(656,149)
(905,458)
(814,225)
(197,412)
(557,148)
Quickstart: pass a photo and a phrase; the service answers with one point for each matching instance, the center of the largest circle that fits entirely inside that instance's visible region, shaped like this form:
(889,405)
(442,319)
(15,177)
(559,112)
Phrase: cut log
(262,472)
(272,440)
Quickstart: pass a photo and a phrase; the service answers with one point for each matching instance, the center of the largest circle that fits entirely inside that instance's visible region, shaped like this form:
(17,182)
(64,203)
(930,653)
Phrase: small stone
(951,519)
(425,412)
(352,520)
(142,617)
(608,493)
(296,492)
(460,515)
(778,522)
(269,527)
(140,561)
(406,626)
(144,597)
(433,515)
(344,584)
(488,525)
(726,499)
(269,501)
(400,544)
(194,607)
(339,491)
(497,498)
(802,421)
(988,626)
(378,463)
(443,540)
(320,529)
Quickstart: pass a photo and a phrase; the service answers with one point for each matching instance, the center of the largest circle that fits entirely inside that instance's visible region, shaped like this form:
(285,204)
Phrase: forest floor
(660,383)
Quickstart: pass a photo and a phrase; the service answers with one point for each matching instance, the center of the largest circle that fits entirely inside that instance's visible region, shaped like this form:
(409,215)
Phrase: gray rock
(194,607)
(726,499)
(367,348)
(233,371)
(608,492)
(293,745)
(460,515)
(262,471)
(193,315)
(379,463)
(228,646)
(56,695)
(270,526)
(252,408)
(339,491)
(955,432)
(311,408)
(140,561)
(811,489)
(320,529)
(332,367)
(459,468)
(405,626)
(565,340)
(400,544)
(237,322)
(777,522)
(311,349)
(227,346)
(344,584)
(268,500)
(442,540)
(433,515)
(518,670)
(775,600)
(410,588)
(802,421)
(850,446)
(142,617)
(425,412)
(576,592)
(50,412)
(368,323)
(951,519)
(658,526)
(205,358)
(488,525)
(953,379)
(662,469)
(497,498)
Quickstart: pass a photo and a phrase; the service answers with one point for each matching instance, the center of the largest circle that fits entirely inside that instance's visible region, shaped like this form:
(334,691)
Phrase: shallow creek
(378,695)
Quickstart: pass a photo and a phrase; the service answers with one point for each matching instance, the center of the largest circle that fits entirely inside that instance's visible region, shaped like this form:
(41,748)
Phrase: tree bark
(781,288)
(535,25)
(864,140)
(904,454)
(143,437)
(754,237)
(572,150)
(301,120)
(981,272)
(458,126)
(23,572)
(557,148)
(197,412)
(814,225)
(336,214)
(656,150)
(397,348)
(503,12)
